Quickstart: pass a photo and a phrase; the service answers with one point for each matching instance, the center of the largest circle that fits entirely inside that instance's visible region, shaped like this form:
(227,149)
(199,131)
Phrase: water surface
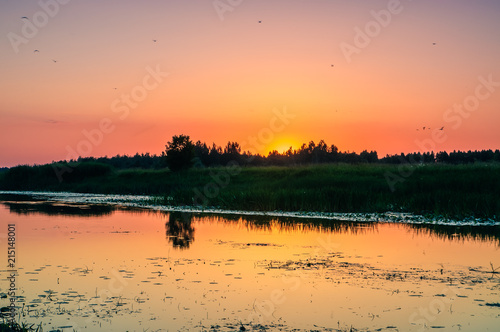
(106,268)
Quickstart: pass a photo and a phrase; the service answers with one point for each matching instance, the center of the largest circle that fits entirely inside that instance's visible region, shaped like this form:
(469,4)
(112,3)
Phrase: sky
(108,77)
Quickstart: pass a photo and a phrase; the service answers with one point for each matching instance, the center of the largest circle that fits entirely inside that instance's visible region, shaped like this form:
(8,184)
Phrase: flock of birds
(55,61)
(37,51)
(155,40)
(429,128)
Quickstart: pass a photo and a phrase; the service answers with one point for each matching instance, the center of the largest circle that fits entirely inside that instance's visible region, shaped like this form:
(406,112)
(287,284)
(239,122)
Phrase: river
(111,267)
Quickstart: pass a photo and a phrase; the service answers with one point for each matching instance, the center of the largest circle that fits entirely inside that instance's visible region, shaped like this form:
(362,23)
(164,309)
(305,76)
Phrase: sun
(281,145)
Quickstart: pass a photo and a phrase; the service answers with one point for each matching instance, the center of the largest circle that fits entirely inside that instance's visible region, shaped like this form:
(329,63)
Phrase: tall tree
(179,153)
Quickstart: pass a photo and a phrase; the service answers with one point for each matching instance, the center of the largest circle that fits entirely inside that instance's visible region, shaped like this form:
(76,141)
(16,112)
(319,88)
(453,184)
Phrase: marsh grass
(456,191)
(15,327)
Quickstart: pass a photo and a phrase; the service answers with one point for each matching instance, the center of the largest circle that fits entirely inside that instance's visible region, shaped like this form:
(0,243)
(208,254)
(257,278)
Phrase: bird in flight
(260,21)
(332,65)
(24,18)
(36,51)
(54,60)
(441,128)
(154,40)
(433,43)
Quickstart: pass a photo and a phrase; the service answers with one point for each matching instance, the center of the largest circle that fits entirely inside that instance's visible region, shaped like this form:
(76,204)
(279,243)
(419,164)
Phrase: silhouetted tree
(232,152)
(442,157)
(232,148)
(215,155)
(319,152)
(496,155)
(179,153)
(202,152)
(179,230)
(369,157)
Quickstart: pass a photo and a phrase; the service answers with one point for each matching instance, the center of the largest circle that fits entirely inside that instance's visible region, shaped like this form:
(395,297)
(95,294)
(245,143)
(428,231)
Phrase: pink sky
(223,79)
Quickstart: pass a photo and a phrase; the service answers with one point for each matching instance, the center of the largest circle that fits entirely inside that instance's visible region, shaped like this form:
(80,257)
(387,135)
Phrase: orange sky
(228,74)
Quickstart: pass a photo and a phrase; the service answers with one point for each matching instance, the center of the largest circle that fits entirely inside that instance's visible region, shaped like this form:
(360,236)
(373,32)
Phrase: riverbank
(54,203)
(442,191)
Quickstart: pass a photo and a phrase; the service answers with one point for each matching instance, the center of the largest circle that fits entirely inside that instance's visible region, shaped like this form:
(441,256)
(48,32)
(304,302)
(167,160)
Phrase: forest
(186,154)
(315,177)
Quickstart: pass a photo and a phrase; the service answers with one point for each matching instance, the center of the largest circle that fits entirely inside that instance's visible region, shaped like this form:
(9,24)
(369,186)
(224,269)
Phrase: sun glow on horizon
(282,145)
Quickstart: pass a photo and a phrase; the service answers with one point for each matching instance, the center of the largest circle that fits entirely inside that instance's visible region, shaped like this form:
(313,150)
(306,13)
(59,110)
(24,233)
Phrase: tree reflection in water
(179,230)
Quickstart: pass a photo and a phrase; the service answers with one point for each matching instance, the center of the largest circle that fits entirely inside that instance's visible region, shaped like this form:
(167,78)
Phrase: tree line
(181,153)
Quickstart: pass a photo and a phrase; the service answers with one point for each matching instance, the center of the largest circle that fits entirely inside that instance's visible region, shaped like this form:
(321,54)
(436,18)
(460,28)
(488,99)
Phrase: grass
(15,327)
(456,191)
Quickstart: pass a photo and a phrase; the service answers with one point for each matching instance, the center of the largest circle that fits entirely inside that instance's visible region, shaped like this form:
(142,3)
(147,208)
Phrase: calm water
(104,268)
